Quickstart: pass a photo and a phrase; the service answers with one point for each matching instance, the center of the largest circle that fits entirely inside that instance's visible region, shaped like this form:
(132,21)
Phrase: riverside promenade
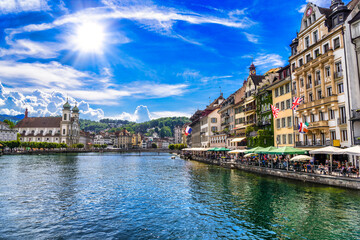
(331,180)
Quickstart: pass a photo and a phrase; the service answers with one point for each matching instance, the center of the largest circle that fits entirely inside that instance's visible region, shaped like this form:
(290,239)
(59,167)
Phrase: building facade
(6,133)
(318,76)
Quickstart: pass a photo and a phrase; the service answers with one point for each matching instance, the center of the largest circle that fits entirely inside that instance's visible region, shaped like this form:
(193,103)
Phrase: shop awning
(237,140)
(327,150)
(237,151)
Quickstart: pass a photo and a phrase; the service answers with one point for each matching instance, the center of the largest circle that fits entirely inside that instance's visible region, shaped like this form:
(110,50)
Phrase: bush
(171,146)
(154,145)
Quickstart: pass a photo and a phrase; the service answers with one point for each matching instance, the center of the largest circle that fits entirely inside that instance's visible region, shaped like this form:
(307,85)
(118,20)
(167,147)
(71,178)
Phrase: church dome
(75,109)
(67,105)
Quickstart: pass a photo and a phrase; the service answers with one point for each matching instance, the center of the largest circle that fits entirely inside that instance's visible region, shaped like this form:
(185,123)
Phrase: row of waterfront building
(66,129)
(323,71)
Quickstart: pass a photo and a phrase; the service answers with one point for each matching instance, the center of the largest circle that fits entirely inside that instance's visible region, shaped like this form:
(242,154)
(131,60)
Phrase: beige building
(282,100)
(317,64)
(7,134)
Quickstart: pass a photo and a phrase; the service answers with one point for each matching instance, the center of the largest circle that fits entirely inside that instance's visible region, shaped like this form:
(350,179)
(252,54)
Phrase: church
(64,129)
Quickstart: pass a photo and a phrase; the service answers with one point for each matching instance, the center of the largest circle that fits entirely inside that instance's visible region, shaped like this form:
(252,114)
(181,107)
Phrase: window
(340,88)
(277,106)
(316,37)
(312,117)
(308,58)
(278,123)
(301,82)
(326,48)
(296,121)
(319,94)
(318,78)
(294,86)
(282,106)
(331,114)
(65,117)
(336,43)
(63,131)
(283,122)
(329,91)
(321,116)
(276,92)
(293,67)
(278,139)
(342,115)
(288,104)
(332,135)
(338,67)
(307,42)
(327,71)
(287,88)
(214,129)
(281,90)
(301,62)
(289,122)
(284,139)
(310,97)
(290,139)
(317,53)
(213,120)
(314,17)
(309,82)
(344,136)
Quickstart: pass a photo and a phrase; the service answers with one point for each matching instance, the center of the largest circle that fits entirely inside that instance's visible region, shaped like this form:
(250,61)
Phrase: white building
(178,134)
(65,129)
(7,134)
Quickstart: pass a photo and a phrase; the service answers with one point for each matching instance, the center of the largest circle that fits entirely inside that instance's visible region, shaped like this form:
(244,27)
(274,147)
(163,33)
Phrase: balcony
(224,123)
(263,123)
(324,101)
(318,124)
(317,143)
(338,75)
(355,116)
(357,140)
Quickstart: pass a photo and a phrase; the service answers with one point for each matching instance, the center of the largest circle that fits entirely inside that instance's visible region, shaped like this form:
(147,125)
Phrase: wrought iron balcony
(338,74)
(317,143)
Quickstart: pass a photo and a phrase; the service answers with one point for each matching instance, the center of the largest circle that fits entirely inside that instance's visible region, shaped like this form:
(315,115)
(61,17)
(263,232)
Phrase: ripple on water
(113,196)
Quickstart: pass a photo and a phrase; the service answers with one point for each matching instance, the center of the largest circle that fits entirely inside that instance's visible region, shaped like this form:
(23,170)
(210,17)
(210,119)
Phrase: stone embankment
(70,151)
(336,181)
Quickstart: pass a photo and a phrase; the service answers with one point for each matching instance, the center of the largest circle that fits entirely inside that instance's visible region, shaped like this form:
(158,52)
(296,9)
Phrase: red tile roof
(39,122)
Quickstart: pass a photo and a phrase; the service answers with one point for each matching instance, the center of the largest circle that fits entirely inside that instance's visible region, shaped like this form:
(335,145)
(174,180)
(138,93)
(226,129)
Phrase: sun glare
(89,37)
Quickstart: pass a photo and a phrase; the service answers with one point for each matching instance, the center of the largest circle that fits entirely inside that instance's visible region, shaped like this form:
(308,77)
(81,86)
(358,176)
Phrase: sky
(137,60)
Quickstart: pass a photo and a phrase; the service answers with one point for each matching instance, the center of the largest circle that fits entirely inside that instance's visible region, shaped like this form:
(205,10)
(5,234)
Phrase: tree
(165,132)
(154,145)
(10,123)
(103,146)
(171,146)
(80,145)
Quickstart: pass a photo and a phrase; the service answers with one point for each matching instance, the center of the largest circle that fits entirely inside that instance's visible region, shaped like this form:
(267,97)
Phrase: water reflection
(106,196)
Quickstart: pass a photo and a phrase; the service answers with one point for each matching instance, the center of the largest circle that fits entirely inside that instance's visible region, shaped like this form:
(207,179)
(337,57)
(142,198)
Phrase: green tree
(171,146)
(154,145)
(10,123)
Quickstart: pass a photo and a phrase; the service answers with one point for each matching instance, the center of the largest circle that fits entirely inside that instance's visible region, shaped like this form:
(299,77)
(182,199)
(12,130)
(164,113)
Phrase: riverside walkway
(333,179)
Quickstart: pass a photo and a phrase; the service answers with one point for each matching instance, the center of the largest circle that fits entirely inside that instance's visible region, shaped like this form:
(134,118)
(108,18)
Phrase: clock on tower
(252,69)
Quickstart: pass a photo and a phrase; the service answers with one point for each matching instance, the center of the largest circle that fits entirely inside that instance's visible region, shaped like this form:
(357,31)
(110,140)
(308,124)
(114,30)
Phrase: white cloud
(142,114)
(320,3)
(27,48)
(40,103)
(97,89)
(269,61)
(16,6)
(252,37)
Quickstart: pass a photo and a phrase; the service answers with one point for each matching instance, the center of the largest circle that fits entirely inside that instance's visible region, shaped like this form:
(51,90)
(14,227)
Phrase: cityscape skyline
(135,60)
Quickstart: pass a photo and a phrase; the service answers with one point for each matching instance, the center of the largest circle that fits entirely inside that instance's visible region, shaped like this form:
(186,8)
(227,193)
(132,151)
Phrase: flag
(275,111)
(303,127)
(188,130)
(296,103)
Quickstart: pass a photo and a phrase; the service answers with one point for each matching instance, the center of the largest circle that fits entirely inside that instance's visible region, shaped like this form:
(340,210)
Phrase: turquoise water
(113,196)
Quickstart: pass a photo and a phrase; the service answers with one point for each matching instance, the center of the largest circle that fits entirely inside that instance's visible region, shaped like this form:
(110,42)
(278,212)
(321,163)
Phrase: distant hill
(163,126)
(14,119)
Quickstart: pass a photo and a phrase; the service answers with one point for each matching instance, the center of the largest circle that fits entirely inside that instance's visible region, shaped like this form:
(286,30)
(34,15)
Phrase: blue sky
(113,56)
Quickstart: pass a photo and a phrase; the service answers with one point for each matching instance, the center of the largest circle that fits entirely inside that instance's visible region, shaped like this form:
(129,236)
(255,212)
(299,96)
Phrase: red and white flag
(296,103)
(275,111)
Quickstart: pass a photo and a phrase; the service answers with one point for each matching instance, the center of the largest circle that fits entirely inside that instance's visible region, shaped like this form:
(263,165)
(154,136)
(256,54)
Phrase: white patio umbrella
(301,158)
(237,151)
(351,151)
(328,150)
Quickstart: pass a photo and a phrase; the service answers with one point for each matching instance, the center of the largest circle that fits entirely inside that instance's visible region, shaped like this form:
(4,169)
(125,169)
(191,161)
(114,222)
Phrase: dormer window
(313,17)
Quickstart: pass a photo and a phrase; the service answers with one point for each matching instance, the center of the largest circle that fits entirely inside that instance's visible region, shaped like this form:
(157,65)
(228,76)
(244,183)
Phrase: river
(150,196)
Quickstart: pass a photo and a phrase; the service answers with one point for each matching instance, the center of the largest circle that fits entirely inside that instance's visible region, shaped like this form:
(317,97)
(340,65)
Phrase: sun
(89,37)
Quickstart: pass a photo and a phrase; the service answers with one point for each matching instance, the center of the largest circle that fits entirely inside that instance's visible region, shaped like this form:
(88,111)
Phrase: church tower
(65,123)
(252,70)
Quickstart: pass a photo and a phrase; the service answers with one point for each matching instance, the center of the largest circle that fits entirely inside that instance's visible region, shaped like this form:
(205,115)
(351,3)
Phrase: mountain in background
(14,119)
(163,126)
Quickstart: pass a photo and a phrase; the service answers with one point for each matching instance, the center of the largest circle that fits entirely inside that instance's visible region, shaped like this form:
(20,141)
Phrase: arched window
(65,117)
(64,131)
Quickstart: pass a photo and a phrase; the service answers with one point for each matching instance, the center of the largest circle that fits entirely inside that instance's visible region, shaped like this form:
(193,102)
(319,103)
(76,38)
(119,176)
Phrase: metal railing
(317,143)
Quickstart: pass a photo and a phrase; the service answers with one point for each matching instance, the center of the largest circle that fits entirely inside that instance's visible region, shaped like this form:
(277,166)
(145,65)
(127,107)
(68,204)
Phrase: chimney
(26,113)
